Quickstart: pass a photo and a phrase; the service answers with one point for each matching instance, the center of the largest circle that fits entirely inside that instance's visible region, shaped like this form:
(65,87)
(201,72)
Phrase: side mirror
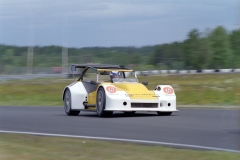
(73,68)
(145,83)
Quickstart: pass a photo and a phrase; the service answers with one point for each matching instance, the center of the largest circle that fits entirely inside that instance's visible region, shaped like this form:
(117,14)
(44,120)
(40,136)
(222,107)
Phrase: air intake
(144,105)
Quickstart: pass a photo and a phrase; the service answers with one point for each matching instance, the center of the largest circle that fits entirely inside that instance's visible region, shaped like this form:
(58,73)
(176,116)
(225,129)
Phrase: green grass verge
(23,147)
(217,89)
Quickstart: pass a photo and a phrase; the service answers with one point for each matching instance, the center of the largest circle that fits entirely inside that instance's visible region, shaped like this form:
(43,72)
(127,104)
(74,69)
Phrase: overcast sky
(87,23)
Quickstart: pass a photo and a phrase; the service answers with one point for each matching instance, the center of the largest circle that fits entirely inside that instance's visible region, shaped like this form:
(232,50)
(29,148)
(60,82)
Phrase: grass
(23,147)
(213,89)
(41,92)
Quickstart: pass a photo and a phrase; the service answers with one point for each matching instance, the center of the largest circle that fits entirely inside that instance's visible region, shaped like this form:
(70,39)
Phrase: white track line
(125,140)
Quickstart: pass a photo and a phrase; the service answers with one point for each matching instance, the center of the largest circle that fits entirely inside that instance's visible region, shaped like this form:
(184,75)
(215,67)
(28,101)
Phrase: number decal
(168,90)
(111,89)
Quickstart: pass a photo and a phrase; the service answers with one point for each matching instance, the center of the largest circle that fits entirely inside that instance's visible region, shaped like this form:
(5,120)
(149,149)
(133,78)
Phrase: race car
(108,88)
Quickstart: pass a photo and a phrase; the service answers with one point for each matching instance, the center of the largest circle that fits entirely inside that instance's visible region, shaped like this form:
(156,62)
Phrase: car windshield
(124,80)
(121,78)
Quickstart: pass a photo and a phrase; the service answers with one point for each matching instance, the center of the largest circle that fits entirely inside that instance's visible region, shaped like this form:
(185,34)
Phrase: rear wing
(97,66)
(102,69)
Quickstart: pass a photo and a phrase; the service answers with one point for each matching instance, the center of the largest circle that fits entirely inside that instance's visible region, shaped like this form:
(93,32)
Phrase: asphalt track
(211,128)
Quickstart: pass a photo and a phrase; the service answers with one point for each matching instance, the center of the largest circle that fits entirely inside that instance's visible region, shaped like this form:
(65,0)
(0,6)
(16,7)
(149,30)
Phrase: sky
(106,23)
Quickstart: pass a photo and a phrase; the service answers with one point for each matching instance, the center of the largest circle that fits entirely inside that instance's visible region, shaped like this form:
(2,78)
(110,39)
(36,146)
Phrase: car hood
(135,90)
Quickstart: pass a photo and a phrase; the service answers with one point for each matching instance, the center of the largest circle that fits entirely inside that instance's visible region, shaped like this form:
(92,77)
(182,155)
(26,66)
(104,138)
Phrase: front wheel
(164,113)
(68,104)
(101,102)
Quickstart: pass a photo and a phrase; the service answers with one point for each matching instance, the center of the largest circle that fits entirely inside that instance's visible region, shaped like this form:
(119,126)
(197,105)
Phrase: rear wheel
(101,102)
(68,104)
(164,113)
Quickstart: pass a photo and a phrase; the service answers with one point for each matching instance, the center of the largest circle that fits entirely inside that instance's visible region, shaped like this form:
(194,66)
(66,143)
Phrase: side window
(104,76)
(90,75)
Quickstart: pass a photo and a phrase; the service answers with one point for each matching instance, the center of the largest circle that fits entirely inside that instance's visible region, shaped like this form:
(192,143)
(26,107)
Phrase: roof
(100,66)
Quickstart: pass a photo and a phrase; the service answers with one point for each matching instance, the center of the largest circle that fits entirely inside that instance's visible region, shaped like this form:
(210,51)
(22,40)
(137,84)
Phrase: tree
(221,53)
(235,46)
(9,60)
(167,56)
(191,50)
(205,55)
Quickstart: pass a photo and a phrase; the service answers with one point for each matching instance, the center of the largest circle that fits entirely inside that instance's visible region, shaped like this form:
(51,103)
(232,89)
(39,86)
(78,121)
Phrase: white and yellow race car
(109,88)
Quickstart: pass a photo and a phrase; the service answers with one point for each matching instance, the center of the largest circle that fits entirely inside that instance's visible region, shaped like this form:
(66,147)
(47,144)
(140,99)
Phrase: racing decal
(168,90)
(111,89)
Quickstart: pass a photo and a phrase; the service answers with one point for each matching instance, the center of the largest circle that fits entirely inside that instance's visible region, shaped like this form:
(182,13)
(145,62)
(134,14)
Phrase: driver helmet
(115,74)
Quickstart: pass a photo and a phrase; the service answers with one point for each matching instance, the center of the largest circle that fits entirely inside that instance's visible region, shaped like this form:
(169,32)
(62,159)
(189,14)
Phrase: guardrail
(202,71)
(30,76)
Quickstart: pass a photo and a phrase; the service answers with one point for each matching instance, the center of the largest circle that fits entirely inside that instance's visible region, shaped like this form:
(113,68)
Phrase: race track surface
(201,127)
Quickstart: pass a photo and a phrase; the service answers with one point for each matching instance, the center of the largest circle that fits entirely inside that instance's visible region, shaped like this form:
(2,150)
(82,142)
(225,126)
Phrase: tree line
(214,49)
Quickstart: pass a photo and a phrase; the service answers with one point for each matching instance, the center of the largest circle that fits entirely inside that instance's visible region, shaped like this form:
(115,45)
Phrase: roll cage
(102,69)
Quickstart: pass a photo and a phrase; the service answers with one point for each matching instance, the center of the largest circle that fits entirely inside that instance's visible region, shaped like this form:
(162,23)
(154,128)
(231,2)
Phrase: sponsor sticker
(111,89)
(168,90)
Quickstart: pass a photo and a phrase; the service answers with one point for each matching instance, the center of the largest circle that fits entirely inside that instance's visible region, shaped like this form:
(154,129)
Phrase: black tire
(101,102)
(68,104)
(164,113)
(131,113)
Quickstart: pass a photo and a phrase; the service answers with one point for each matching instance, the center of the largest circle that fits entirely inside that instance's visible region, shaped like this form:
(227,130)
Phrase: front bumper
(121,103)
